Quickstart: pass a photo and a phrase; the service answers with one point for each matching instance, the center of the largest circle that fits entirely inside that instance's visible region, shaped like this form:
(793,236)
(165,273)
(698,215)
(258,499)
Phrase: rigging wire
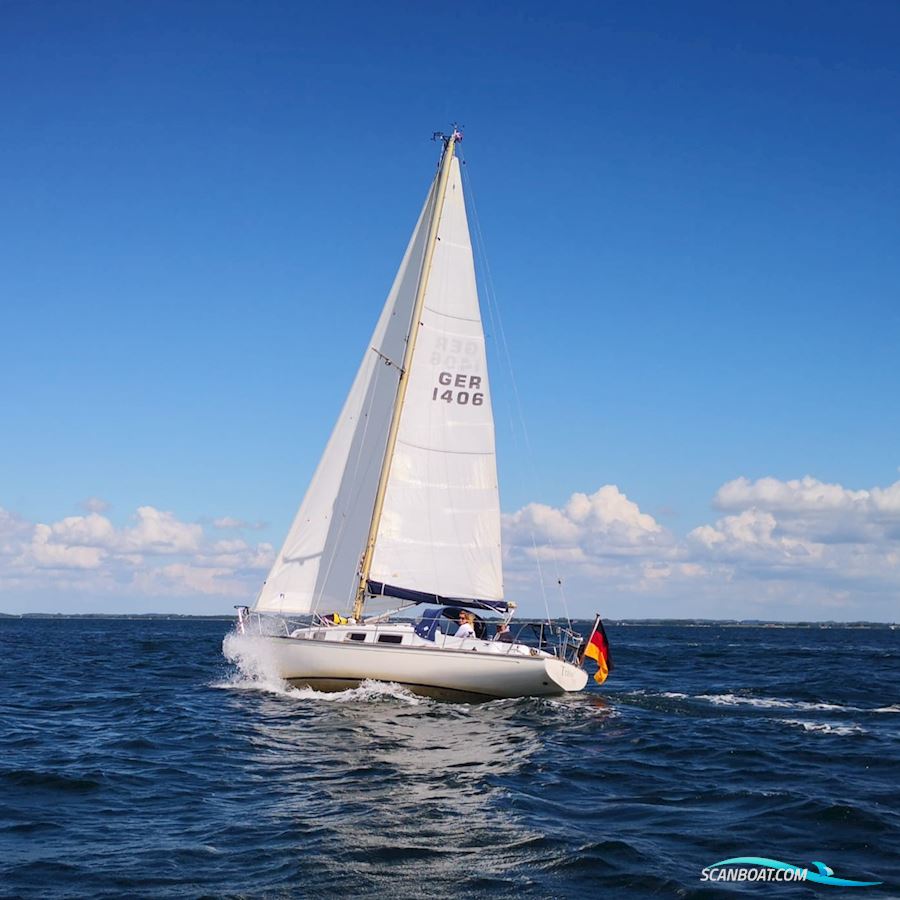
(497,325)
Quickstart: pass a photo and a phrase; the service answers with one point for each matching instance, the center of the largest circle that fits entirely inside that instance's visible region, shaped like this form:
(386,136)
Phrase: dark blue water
(135,761)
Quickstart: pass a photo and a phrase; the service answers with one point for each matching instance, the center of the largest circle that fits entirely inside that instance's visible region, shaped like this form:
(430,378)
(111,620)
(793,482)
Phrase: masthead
(455,135)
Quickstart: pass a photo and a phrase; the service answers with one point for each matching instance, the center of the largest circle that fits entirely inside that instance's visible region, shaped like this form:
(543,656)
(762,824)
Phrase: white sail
(319,563)
(405,503)
(439,531)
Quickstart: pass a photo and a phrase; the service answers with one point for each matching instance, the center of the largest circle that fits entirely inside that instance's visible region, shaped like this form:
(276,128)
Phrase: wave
(776,703)
(35,780)
(738,700)
(368,691)
(765,702)
(824,727)
(770,702)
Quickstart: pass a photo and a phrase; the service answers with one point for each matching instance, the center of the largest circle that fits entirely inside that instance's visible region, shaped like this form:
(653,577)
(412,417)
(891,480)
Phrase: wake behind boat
(404,509)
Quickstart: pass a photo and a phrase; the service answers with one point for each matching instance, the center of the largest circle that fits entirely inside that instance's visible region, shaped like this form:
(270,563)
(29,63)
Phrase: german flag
(598,648)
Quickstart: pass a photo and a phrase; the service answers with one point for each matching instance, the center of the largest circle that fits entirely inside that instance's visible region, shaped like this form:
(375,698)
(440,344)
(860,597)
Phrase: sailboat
(403,510)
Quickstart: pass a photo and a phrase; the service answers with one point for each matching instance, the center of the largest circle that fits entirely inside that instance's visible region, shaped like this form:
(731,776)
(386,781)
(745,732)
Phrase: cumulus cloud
(48,553)
(811,509)
(594,542)
(229,523)
(603,524)
(753,534)
(153,554)
(160,532)
(92,530)
(805,495)
(783,549)
(777,549)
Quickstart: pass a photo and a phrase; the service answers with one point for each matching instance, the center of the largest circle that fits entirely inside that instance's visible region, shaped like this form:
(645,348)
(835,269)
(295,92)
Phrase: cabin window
(355,636)
(390,638)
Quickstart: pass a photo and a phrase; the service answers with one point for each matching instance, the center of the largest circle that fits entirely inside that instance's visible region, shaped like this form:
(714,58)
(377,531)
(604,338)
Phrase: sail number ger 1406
(460,389)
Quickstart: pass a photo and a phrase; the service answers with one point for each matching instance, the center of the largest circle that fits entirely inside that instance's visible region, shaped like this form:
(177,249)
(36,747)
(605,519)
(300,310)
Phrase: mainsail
(438,529)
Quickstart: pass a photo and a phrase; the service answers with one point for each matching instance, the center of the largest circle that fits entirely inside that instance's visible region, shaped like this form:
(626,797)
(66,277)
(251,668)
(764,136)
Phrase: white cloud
(177,579)
(51,554)
(155,554)
(807,507)
(160,532)
(779,549)
(231,523)
(753,535)
(786,549)
(94,504)
(606,523)
(800,495)
(92,530)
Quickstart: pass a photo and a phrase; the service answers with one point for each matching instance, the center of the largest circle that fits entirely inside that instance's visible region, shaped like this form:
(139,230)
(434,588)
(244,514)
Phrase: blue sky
(690,215)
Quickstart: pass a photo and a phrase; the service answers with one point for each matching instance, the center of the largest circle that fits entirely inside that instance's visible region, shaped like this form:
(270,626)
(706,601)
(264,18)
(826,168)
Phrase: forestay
(440,527)
(319,562)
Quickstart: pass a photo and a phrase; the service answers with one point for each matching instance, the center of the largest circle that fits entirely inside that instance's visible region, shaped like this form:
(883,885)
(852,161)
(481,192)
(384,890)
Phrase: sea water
(136,760)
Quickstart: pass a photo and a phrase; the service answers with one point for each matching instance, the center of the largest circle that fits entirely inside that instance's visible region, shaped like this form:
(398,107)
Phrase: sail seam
(445,450)
(412,542)
(437,312)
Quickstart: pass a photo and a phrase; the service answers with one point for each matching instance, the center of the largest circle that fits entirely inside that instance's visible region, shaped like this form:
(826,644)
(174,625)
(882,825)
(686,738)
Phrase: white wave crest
(256,669)
(769,702)
(824,727)
(669,695)
(766,702)
(368,691)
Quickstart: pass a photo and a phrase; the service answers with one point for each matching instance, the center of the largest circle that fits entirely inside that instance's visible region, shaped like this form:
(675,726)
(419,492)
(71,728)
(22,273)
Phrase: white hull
(433,671)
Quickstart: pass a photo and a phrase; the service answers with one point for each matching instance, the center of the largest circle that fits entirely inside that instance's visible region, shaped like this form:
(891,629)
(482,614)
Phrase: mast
(443,176)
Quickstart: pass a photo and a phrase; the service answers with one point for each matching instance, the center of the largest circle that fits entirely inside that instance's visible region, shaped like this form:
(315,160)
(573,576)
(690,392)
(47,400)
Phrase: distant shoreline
(683,623)
(221,616)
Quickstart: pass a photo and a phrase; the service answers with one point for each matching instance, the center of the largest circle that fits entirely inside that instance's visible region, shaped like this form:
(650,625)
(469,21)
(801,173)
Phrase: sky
(690,219)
